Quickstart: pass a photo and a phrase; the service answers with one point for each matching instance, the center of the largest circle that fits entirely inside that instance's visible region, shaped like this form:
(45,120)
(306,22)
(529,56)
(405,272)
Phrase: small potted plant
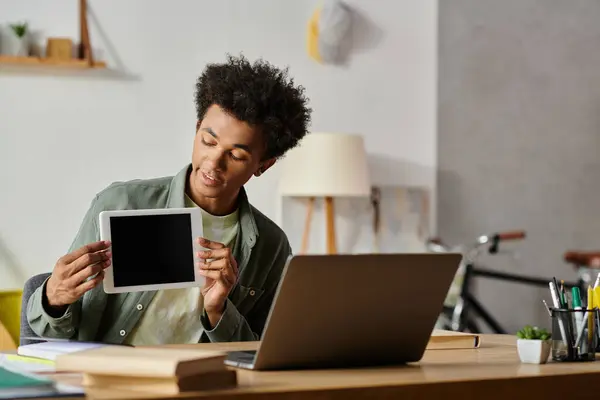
(18,40)
(533,345)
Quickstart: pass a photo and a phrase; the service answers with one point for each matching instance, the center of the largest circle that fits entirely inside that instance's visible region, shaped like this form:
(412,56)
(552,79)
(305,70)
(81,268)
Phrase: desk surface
(492,372)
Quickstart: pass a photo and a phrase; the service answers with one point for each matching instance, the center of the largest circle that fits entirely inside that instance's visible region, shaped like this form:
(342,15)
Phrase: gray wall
(519,137)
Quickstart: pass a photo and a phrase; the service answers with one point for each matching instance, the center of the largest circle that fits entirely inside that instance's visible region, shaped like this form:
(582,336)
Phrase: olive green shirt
(261,250)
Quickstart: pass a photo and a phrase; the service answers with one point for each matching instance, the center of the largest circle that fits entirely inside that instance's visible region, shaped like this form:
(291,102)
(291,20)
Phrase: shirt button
(139,307)
(122,332)
(252,293)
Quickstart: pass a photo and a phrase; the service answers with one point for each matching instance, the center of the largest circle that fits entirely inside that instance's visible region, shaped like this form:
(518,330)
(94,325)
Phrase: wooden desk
(491,372)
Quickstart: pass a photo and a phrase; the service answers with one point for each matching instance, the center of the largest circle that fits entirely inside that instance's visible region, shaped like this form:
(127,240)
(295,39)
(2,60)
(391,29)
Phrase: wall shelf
(32,62)
(84,62)
(74,68)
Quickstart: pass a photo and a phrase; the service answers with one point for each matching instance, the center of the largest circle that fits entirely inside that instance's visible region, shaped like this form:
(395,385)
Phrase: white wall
(63,138)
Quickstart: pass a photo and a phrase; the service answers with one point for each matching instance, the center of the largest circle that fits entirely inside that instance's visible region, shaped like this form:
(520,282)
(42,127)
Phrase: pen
(559,305)
(556,302)
(571,331)
(547,308)
(590,321)
(596,304)
(587,318)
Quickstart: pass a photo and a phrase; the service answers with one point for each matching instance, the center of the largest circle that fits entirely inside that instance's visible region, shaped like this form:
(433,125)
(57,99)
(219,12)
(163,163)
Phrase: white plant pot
(13,45)
(534,351)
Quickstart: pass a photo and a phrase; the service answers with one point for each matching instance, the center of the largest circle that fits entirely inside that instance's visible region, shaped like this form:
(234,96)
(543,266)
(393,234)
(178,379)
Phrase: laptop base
(241,359)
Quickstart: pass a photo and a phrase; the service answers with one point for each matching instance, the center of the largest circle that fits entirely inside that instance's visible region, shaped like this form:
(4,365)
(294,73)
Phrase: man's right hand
(69,279)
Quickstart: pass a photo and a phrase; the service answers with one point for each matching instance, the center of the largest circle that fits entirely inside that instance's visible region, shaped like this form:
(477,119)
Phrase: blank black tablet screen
(151,249)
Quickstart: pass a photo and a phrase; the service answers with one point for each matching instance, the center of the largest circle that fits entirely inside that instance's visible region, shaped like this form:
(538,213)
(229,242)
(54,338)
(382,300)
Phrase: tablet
(151,249)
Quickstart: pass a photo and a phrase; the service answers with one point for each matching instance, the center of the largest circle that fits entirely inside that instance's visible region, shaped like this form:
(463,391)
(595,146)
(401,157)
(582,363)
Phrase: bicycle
(461,308)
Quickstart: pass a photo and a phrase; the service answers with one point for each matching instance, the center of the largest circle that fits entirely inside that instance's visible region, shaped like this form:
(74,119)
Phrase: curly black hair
(259,94)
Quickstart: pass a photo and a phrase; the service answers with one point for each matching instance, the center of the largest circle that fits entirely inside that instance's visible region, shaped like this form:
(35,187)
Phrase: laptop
(352,310)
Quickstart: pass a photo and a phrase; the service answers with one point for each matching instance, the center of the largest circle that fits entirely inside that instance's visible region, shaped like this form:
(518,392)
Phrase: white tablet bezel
(196,225)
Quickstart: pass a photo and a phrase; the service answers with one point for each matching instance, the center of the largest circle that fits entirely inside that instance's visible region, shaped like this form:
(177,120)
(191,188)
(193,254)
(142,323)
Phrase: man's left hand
(219,267)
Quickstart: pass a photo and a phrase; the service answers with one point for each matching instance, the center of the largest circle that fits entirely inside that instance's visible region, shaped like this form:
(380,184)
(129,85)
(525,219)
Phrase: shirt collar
(176,199)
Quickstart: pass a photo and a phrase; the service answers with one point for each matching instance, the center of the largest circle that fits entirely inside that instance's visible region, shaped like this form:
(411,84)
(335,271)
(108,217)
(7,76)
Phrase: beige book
(442,339)
(142,362)
(173,385)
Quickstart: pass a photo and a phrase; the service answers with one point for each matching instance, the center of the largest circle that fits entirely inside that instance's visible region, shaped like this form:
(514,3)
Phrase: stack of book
(157,370)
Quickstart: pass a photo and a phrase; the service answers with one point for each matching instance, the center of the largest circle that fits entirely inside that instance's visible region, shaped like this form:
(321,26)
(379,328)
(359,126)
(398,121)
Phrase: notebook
(442,339)
(51,349)
(26,364)
(13,379)
(16,385)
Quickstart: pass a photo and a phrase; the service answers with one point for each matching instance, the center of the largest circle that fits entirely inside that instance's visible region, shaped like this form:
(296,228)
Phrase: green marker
(577,306)
(576,295)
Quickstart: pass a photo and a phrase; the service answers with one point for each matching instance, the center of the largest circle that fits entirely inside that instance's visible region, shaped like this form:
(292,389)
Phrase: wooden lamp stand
(329,224)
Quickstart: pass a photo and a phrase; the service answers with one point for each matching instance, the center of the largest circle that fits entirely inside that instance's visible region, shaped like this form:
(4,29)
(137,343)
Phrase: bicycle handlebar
(510,235)
(437,244)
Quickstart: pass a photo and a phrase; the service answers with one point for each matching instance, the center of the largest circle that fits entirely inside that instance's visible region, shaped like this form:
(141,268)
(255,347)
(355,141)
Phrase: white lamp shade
(326,165)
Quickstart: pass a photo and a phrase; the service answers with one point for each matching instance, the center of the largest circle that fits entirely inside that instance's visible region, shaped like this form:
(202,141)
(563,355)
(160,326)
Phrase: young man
(249,115)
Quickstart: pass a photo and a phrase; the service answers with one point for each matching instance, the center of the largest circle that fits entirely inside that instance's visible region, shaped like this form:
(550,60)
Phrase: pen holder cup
(574,334)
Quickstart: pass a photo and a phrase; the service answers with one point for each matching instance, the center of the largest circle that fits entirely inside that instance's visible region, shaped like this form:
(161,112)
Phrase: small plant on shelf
(533,344)
(19,29)
(18,43)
